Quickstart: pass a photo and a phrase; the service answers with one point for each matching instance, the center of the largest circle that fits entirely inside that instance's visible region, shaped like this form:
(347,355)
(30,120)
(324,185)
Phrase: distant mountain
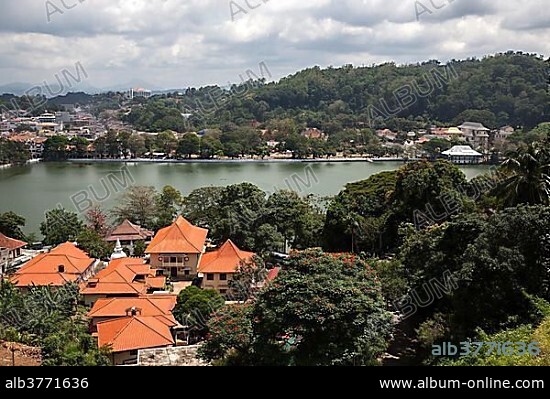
(48,89)
(52,89)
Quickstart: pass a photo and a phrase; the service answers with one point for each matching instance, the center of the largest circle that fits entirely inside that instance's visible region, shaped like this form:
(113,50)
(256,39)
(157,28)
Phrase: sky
(182,43)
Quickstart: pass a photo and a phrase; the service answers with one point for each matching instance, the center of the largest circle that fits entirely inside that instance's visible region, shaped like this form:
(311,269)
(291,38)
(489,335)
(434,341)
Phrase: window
(209,276)
(180,260)
(186,272)
(223,277)
(223,292)
(166,259)
(173,259)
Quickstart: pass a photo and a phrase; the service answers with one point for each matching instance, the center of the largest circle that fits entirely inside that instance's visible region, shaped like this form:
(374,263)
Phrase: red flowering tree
(322,309)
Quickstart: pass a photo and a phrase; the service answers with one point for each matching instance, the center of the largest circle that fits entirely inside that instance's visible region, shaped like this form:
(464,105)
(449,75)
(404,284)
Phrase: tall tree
(188,145)
(96,220)
(10,225)
(138,205)
(168,204)
(527,176)
(60,226)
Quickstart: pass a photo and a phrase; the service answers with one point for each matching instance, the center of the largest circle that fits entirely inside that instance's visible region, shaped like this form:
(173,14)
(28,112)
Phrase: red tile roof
(132,333)
(147,305)
(129,231)
(179,238)
(11,243)
(64,263)
(225,260)
(125,276)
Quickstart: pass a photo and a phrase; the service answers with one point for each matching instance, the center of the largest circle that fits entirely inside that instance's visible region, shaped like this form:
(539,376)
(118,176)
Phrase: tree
(60,226)
(249,273)
(202,205)
(138,205)
(240,206)
(498,264)
(136,145)
(139,248)
(188,145)
(50,318)
(267,239)
(324,310)
(230,336)
(10,225)
(527,177)
(96,220)
(166,142)
(112,144)
(295,218)
(55,149)
(356,216)
(195,307)
(94,244)
(168,203)
(210,147)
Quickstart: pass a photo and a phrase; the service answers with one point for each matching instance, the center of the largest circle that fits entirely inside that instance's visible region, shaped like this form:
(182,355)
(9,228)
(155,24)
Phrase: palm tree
(526,176)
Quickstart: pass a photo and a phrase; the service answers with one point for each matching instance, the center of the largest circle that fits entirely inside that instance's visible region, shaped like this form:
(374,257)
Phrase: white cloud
(174,43)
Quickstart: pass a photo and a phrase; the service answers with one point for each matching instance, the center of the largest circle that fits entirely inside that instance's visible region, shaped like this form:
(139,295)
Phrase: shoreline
(268,160)
(29,162)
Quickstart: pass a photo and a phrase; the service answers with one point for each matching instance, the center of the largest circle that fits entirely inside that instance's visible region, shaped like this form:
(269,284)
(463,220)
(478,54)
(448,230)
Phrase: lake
(31,190)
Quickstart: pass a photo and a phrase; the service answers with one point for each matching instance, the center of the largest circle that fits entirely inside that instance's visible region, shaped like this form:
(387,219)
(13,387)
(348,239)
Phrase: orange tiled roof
(148,305)
(125,276)
(129,231)
(131,333)
(101,288)
(10,243)
(181,237)
(64,263)
(156,282)
(225,260)
(42,279)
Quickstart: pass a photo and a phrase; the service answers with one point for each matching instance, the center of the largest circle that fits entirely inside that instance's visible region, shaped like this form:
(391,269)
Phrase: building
(475,134)
(177,249)
(64,264)
(218,267)
(124,277)
(504,133)
(125,336)
(128,234)
(147,305)
(10,250)
(138,93)
(462,155)
(314,134)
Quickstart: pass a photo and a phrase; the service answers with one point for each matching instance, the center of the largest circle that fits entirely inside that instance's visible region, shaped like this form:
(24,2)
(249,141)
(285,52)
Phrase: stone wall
(173,356)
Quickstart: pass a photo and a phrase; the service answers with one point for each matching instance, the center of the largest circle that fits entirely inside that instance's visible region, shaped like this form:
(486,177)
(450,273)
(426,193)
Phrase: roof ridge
(107,303)
(183,234)
(139,318)
(121,330)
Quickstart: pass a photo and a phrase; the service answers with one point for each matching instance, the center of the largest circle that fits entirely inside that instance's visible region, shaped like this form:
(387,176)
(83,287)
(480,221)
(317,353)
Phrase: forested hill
(505,89)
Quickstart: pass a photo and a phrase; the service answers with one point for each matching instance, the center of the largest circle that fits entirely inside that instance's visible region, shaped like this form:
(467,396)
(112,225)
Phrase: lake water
(31,190)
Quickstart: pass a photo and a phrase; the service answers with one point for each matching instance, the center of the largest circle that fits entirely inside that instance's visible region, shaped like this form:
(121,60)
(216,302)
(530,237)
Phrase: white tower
(118,252)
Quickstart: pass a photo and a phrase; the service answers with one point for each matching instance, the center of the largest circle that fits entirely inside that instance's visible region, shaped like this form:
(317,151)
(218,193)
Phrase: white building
(463,155)
(138,93)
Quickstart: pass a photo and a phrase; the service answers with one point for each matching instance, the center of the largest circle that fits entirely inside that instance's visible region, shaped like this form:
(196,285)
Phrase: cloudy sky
(180,43)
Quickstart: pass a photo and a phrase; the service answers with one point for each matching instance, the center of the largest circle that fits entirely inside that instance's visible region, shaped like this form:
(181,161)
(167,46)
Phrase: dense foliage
(322,309)
(195,307)
(49,318)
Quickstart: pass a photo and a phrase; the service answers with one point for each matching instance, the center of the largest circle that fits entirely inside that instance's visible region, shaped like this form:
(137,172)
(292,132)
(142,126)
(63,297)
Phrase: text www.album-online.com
(485,383)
